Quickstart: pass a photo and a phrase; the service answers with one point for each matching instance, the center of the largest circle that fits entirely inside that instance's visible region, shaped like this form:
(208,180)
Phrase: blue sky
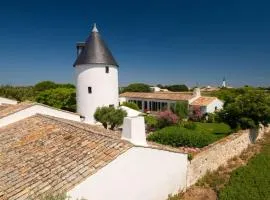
(154,42)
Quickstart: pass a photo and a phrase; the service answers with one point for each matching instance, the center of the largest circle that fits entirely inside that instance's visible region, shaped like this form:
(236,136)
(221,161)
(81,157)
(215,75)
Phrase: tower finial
(94,28)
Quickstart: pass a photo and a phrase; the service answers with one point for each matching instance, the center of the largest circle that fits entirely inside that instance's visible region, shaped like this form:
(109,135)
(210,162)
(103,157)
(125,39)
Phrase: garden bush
(177,136)
(151,122)
(188,125)
(180,109)
(167,118)
(192,134)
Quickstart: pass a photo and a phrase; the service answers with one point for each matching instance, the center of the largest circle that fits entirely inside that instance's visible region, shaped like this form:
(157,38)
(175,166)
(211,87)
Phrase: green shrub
(180,109)
(131,105)
(212,117)
(247,110)
(179,136)
(151,122)
(192,134)
(137,87)
(189,125)
(62,98)
(110,116)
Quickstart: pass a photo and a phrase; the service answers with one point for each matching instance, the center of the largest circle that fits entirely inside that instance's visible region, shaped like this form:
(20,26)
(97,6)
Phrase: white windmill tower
(96,76)
(224,84)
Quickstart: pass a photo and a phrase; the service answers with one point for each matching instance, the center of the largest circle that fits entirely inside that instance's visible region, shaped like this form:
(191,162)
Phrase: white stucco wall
(215,104)
(7,101)
(104,88)
(37,109)
(138,174)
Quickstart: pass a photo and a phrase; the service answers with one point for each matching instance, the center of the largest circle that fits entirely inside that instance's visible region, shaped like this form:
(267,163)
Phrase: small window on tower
(107,69)
(89,90)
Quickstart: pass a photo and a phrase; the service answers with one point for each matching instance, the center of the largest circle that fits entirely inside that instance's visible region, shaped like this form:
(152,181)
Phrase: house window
(89,90)
(107,69)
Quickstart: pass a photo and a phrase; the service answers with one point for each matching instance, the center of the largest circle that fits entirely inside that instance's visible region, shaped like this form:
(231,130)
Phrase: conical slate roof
(95,51)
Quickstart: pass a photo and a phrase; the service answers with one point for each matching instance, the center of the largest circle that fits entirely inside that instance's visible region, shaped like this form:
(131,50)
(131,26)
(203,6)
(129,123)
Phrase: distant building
(209,88)
(158,101)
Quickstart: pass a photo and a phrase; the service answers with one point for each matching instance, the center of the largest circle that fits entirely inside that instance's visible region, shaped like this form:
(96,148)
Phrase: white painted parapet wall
(138,174)
(38,109)
(7,101)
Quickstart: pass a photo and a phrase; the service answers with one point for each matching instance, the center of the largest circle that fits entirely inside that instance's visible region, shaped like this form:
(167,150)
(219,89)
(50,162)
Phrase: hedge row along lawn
(194,135)
(252,181)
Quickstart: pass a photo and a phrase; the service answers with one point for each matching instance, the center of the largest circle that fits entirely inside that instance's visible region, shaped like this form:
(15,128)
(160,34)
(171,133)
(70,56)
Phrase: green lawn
(252,181)
(219,130)
(190,134)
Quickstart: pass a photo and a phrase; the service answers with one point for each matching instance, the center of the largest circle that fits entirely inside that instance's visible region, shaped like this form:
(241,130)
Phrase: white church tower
(96,76)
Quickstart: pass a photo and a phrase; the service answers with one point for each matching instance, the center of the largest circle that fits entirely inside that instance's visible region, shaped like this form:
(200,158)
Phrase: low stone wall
(217,154)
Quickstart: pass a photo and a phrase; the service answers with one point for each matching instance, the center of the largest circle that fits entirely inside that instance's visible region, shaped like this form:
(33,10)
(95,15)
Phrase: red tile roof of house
(10,109)
(203,101)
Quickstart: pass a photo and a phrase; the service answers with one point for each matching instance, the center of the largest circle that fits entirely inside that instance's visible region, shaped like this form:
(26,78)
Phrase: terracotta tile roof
(203,101)
(41,154)
(4,106)
(174,96)
(8,110)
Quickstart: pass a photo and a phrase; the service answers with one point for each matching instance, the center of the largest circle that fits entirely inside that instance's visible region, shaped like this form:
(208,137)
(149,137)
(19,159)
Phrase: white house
(158,101)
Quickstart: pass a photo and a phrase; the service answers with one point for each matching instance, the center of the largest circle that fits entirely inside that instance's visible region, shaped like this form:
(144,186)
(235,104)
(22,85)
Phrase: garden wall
(217,154)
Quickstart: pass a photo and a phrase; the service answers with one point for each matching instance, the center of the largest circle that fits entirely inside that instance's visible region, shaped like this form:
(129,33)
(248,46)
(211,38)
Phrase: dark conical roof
(95,51)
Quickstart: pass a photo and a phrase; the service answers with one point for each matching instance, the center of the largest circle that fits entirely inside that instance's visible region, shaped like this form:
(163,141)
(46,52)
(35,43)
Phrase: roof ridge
(72,123)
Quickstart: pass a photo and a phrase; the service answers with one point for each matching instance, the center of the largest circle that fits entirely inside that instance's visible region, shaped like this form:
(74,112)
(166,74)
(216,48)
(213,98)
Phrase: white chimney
(134,130)
(196,92)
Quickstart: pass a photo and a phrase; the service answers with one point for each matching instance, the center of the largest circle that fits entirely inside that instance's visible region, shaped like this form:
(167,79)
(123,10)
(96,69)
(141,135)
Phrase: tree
(247,110)
(20,93)
(63,98)
(110,116)
(137,87)
(177,88)
(45,85)
(131,105)
(181,109)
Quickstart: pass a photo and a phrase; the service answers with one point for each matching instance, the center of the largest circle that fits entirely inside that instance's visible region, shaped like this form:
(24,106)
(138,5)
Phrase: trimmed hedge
(179,136)
(200,135)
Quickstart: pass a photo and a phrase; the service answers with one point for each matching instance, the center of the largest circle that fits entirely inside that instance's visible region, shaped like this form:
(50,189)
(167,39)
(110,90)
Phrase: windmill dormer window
(107,69)
(89,90)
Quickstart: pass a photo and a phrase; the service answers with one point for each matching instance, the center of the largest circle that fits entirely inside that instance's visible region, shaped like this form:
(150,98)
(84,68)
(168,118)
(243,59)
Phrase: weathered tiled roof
(4,106)
(8,110)
(203,101)
(45,154)
(174,96)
